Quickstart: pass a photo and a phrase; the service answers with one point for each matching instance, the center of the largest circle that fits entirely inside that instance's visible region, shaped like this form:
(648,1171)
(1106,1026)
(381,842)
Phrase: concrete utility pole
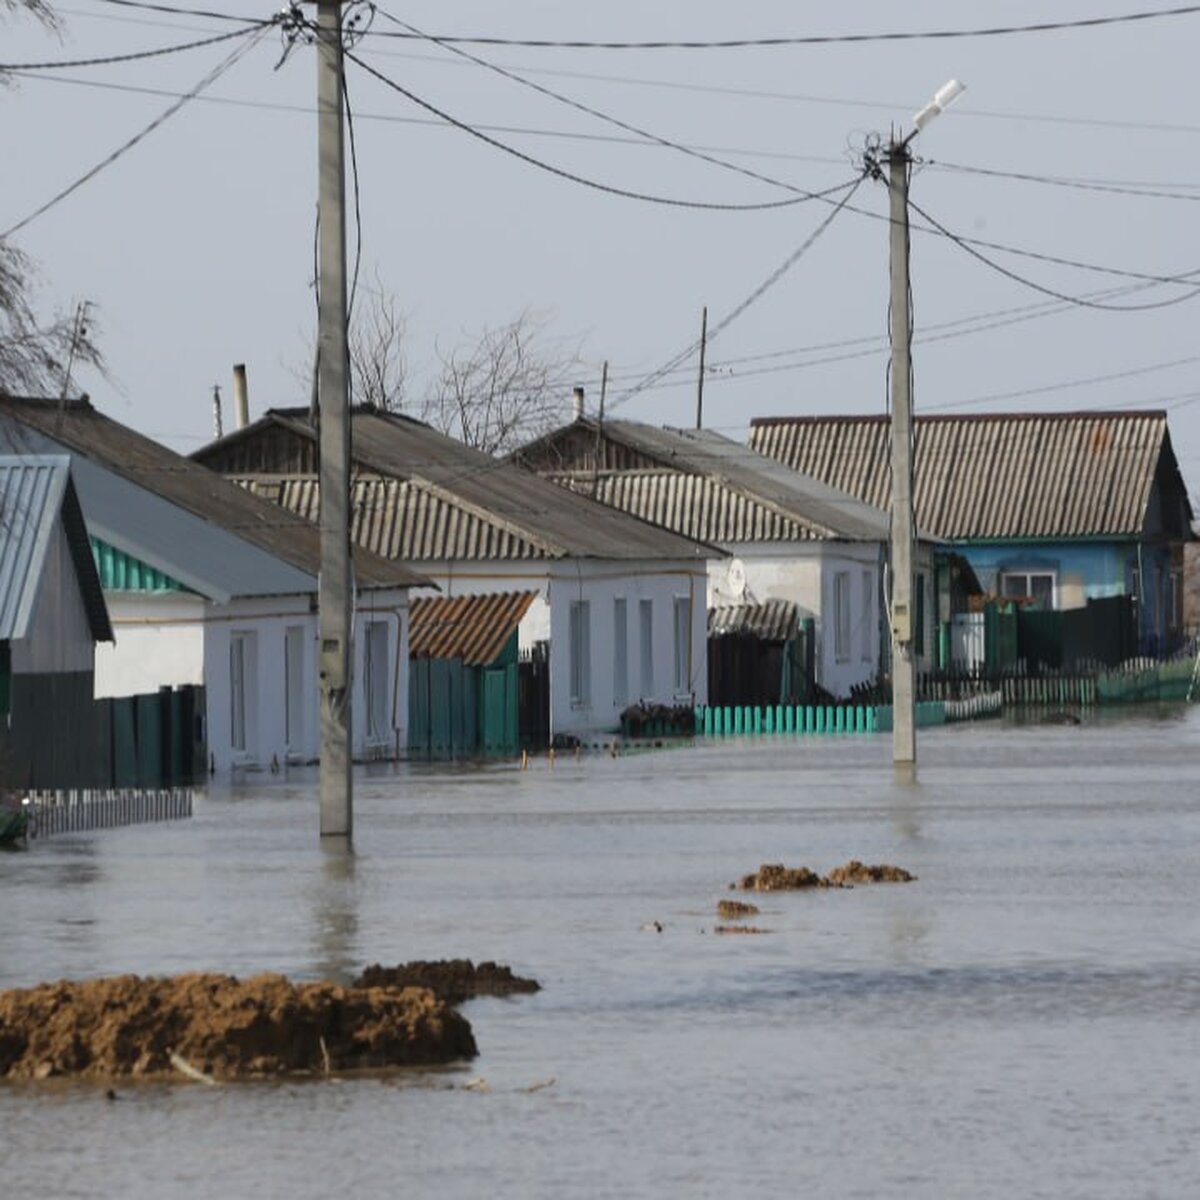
(700,380)
(904,729)
(333,405)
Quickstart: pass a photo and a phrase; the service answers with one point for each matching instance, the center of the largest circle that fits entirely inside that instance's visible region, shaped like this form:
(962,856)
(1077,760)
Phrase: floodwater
(1024,1021)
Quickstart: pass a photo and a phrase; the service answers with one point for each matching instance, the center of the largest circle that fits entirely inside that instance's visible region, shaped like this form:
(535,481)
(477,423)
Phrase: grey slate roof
(705,485)
(426,496)
(243,546)
(35,492)
(993,476)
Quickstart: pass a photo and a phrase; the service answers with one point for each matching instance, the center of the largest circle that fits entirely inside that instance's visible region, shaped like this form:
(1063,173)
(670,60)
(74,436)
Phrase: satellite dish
(735,579)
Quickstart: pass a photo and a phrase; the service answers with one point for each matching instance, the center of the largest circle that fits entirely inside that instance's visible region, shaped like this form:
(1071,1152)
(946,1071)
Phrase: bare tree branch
(508,385)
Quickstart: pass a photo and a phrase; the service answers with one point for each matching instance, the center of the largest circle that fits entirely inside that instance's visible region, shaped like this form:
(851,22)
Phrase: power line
(758,292)
(1022,393)
(593,112)
(596,185)
(147,6)
(133,56)
(1087,185)
(253,36)
(812,39)
(679,85)
(968,246)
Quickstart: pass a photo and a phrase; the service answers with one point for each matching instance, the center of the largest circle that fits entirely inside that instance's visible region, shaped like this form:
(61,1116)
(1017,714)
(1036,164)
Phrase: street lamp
(904,726)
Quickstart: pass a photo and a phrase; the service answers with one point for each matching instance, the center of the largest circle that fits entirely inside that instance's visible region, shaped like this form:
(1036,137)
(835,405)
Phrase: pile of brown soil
(221,1026)
(854,872)
(775,877)
(453,980)
(735,910)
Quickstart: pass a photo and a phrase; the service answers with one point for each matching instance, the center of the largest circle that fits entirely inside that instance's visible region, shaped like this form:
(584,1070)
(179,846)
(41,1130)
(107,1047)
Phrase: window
(646,621)
(919,615)
(293,686)
(620,652)
(1037,586)
(375,679)
(868,619)
(841,616)
(242,672)
(683,645)
(581,650)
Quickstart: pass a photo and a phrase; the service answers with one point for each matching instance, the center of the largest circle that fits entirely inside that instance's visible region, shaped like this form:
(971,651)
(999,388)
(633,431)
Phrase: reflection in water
(335,899)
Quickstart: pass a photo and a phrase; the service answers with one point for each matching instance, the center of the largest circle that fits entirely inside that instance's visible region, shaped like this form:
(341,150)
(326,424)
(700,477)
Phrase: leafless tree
(35,355)
(378,363)
(506,386)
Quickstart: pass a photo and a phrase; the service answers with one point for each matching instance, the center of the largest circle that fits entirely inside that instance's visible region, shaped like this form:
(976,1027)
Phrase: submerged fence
(80,810)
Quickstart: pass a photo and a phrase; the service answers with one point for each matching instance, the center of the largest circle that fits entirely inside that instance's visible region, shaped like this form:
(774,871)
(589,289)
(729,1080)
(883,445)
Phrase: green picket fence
(724,720)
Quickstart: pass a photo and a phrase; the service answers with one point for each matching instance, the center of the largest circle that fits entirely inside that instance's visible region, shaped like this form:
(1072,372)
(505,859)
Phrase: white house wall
(160,643)
(262,625)
(60,636)
(599,583)
(176,638)
(804,574)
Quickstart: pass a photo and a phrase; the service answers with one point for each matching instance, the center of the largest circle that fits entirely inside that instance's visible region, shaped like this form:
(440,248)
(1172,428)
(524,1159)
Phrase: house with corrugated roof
(52,610)
(1050,509)
(789,537)
(619,610)
(209,585)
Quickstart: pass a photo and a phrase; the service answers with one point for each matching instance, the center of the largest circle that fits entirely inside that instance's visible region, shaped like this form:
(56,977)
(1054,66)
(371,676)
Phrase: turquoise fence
(736,720)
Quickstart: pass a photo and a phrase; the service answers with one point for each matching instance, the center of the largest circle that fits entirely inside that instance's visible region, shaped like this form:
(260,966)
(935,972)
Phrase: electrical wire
(134,56)
(594,184)
(1023,393)
(754,296)
(173,10)
(968,246)
(815,39)
(1060,181)
(253,36)
(593,112)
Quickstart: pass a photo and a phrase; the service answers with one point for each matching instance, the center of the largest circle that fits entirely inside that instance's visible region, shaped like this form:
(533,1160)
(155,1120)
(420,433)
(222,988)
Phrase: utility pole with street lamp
(334,591)
(903,611)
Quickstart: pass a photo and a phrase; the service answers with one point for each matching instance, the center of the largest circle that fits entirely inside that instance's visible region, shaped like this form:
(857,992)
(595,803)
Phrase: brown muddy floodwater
(1022,1021)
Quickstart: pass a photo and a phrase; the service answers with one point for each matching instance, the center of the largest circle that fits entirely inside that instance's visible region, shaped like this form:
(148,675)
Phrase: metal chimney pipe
(217,411)
(577,404)
(241,398)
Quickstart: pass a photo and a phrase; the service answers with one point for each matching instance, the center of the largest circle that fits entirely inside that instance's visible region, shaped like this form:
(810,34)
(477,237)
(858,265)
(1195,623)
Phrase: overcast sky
(196,246)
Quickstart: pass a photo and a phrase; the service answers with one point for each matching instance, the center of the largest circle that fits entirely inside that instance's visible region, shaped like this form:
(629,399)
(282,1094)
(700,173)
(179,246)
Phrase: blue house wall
(1087,570)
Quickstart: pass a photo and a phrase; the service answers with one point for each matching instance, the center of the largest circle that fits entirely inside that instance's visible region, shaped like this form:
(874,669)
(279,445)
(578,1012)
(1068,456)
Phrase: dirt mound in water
(453,980)
(735,910)
(775,877)
(855,872)
(224,1027)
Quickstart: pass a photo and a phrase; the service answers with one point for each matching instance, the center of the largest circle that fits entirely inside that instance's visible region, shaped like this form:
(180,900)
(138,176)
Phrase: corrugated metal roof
(772,621)
(403,520)
(706,485)
(35,491)
(475,505)
(473,628)
(127,455)
(693,505)
(991,476)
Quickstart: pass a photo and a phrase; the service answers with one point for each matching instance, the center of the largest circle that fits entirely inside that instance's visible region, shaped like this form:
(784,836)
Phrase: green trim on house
(121,572)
